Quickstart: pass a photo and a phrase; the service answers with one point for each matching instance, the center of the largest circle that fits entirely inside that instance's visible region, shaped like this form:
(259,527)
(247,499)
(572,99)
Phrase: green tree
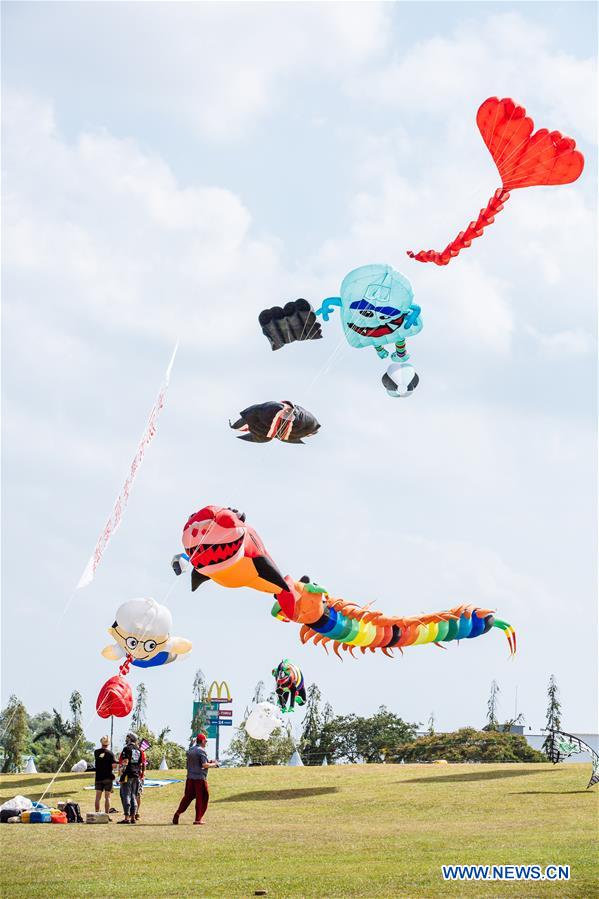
(374,739)
(57,729)
(277,750)
(554,712)
(38,721)
(56,740)
(15,734)
(138,718)
(258,692)
(511,722)
(310,740)
(199,721)
(381,734)
(326,734)
(469,745)
(76,706)
(160,748)
(492,704)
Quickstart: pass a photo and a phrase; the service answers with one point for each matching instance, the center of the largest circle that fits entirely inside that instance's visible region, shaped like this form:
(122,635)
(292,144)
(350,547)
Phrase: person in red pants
(196,785)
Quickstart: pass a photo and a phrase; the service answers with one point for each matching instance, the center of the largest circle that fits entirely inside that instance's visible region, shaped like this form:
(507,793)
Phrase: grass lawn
(351,830)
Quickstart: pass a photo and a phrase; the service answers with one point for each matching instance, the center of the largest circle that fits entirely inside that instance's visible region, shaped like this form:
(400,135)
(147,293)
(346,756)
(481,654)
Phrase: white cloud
(216,68)
(461,570)
(504,55)
(107,230)
(563,343)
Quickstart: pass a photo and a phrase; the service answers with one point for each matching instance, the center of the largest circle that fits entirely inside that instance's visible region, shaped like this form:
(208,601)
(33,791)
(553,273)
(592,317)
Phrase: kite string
(61,766)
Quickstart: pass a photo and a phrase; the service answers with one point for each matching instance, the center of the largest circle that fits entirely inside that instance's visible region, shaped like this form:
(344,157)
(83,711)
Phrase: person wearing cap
(104,763)
(196,785)
(130,770)
(142,773)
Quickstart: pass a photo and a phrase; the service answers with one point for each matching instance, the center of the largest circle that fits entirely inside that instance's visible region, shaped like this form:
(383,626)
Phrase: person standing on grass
(196,785)
(142,776)
(130,771)
(105,763)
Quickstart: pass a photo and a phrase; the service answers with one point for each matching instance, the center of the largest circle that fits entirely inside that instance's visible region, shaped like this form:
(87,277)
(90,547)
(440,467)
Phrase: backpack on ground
(73,813)
(7,813)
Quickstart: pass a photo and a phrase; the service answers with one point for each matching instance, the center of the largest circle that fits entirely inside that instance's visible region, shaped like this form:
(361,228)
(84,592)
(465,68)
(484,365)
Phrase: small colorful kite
(290,685)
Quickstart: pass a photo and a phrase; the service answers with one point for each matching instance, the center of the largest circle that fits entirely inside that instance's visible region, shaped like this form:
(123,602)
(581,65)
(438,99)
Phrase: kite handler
(131,768)
(196,785)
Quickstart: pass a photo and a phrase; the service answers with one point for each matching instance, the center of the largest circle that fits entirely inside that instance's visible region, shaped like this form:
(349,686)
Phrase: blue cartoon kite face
(376,306)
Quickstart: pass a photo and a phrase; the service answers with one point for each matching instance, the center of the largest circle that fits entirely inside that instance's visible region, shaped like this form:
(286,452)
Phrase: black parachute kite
(286,324)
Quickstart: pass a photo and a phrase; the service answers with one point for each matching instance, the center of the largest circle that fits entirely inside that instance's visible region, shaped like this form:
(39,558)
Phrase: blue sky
(171,169)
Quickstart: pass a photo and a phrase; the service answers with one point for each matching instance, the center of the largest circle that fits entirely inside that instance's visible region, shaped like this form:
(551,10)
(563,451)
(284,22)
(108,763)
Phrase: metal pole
(111,729)
(217,740)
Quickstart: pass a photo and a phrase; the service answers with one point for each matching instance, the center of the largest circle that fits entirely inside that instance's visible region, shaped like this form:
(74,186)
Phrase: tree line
(53,739)
(385,737)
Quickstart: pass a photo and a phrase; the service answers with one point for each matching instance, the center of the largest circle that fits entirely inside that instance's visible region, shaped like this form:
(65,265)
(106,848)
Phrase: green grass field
(359,830)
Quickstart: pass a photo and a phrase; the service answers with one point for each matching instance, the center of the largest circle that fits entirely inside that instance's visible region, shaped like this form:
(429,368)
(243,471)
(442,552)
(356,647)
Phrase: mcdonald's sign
(219,692)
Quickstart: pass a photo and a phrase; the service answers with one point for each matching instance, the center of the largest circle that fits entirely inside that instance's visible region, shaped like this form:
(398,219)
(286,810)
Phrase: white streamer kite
(122,499)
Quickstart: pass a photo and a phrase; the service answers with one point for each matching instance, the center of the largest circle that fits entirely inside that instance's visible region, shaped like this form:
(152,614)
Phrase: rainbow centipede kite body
(221,547)
(347,625)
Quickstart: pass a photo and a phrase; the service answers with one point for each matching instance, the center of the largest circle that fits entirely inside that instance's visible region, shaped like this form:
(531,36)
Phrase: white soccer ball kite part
(400,380)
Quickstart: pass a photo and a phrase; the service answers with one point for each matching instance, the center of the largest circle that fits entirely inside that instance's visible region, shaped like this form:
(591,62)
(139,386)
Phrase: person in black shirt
(130,770)
(105,763)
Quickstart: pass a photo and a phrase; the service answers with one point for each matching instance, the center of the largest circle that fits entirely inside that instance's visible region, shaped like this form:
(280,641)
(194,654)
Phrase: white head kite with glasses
(142,632)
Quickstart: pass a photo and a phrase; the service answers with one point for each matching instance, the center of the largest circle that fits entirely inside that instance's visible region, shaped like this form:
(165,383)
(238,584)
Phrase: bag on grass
(7,813)
(73,813)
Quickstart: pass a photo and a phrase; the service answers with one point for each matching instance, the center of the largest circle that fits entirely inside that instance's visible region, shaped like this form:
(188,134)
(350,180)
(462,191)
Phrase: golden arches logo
(223,694)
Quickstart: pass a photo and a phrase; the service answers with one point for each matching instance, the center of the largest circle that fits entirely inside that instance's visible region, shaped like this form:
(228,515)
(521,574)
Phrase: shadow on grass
(300,793)
(26,786)
(60,794)
(474,775)
(167,823)
(27,782)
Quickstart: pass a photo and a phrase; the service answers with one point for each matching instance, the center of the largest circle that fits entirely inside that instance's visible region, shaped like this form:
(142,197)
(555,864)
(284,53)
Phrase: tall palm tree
(58,728)
(163,735)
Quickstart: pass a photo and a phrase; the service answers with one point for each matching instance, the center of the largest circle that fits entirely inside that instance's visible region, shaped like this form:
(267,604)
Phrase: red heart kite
(115,698)
(523,158)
